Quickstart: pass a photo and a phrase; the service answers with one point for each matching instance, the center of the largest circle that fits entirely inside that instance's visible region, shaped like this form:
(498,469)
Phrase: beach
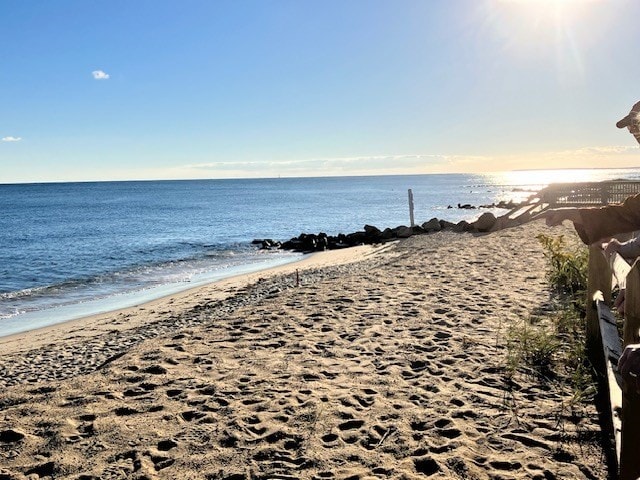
(373,362)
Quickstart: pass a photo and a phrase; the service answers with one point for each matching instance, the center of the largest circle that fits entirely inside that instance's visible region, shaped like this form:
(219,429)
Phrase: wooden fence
(603,340)
(605,346)
(587,194)
(584,194)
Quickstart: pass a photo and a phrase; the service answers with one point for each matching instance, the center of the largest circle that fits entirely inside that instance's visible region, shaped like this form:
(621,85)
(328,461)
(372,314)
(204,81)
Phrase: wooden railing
(605,346)
(588,193)
(584,194)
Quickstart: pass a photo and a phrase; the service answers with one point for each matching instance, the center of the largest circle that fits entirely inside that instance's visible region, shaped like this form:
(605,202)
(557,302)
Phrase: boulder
(322,242)
(309,241)
(462,226)
(373,234)
(404,232)
(388,234)
(370,230)
(432,225)
(293,244)
(268,244)
(485,222)
(444,224)
(356,238)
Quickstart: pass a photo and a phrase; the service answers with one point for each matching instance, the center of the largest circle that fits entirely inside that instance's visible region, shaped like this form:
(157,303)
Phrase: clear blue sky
(101,90)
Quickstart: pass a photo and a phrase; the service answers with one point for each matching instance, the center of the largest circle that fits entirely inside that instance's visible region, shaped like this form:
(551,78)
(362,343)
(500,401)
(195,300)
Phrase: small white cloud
(11,139)
(100,75)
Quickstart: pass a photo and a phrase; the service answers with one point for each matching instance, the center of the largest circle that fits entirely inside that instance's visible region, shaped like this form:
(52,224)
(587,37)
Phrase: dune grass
(551,345)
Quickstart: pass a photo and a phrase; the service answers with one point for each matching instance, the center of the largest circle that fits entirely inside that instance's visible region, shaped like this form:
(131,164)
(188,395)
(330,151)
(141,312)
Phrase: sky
(157,89)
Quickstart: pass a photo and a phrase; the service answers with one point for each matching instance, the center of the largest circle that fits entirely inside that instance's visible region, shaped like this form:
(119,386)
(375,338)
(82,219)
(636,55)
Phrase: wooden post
(632,306)
(629,457)
(611,351)
(599,279)
(411,208)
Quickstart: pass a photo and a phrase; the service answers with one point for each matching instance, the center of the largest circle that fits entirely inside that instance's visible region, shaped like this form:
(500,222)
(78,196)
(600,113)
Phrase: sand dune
(391,367)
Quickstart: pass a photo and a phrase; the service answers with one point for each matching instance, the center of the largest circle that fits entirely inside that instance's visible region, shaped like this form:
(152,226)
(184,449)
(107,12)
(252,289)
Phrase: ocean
(69,250)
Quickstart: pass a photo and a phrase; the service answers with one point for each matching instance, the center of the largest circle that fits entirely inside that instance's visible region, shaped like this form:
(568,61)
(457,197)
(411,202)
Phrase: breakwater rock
(506,205)
(370,235)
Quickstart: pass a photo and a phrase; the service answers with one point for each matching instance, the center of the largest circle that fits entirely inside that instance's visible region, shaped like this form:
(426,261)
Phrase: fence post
(411,208)
(632,306)
(629,458)
(598,279)
(604,194)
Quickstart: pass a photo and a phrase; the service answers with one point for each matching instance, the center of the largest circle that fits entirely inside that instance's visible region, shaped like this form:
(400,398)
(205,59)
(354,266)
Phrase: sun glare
(553,31)
(550,2)
(571,9)
(545,177)
(550,9)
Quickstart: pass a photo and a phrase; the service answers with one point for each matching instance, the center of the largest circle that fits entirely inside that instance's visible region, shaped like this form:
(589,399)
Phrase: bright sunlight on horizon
(160,90)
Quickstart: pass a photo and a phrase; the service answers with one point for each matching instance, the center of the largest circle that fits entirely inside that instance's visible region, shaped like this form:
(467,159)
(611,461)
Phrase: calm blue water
(62,246)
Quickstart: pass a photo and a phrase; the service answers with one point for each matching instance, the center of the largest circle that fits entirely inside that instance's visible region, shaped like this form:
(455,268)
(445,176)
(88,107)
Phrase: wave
(212,260)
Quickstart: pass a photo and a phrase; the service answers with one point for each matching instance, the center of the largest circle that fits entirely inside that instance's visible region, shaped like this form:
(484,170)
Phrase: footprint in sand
(176,394)
(325,475)
(427,466)
(166,445)
(11,436)
(79,428)
(348,427)
(330,440)
(191,415)
(126,411)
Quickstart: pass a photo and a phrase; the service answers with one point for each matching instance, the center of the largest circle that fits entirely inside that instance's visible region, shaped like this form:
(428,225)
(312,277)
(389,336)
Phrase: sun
(550,5)
(550,8)
(550,2)
(556,33)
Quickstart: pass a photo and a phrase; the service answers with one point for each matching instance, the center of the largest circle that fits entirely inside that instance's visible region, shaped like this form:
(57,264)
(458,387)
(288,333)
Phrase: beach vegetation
(568,265)
(550,345)
(531,347)
(551,349)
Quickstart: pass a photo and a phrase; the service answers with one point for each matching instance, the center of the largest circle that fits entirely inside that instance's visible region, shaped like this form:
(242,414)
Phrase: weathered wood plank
(624,399)
(632,306)
(611,351)
(629,457)
(599,280)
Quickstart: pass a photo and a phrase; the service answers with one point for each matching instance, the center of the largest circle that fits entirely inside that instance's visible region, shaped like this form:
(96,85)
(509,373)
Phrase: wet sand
(390,366)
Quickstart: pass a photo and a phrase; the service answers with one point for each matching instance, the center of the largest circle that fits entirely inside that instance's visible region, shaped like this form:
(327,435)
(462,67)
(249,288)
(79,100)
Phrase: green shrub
(567,266)
(533,347)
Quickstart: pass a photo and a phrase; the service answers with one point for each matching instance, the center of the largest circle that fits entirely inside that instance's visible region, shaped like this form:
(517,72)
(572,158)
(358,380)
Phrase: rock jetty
(370,235)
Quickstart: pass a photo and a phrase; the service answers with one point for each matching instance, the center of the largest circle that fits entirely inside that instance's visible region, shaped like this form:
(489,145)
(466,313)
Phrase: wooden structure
(604,344)
(605,347)
(588,194)
(557,195)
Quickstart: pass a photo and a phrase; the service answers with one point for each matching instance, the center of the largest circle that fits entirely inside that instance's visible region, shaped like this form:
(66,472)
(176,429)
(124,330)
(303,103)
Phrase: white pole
(411,208)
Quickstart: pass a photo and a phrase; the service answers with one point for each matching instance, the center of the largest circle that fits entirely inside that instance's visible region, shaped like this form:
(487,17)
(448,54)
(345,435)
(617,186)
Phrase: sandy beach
(384,362)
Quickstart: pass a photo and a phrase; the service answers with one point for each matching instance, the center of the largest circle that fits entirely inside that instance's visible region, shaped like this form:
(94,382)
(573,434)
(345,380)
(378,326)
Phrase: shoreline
(37,319)
(88,326)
